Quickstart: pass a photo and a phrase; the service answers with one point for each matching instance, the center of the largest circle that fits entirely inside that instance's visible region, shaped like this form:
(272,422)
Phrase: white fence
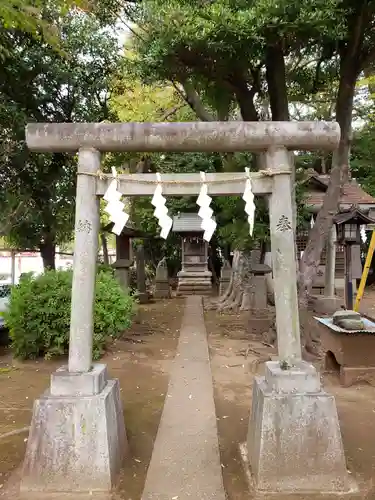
(26,262)
(31,262)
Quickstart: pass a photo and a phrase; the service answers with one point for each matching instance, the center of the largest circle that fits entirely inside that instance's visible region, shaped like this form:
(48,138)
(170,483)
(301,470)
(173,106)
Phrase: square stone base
(162,290)
(76,443)
(323,304)
(65,383)
(294,440)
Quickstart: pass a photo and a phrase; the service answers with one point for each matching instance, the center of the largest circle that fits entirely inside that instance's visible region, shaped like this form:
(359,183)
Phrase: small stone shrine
(194,277)
(162,288)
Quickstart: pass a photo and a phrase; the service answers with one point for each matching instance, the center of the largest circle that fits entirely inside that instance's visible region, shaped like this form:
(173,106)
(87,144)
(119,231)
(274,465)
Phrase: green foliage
(221,46)
(33,17)
(39,314)
(362,158)
(37,83)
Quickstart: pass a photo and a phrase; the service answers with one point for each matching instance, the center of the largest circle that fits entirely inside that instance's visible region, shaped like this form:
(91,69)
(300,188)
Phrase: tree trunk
(103,239)
(245,99)
(194,101)
(238,294)
(276,83)
(278,96)
(349,71)
(48,252)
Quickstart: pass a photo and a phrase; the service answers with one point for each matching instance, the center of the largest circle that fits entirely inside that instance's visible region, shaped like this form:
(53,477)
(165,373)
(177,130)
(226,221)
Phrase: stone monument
(162,288)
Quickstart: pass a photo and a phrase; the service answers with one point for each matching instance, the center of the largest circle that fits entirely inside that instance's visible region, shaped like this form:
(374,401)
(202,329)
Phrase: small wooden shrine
(194,277)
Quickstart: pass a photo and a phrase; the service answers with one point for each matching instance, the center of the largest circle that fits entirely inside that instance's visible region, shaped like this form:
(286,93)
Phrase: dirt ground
(141,360)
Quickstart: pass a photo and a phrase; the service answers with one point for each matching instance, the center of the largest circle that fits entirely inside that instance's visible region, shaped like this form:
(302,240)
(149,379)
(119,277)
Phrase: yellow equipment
(366,269)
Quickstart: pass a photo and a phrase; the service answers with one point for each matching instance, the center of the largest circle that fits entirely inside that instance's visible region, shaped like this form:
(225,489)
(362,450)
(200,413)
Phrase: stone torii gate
(77,439)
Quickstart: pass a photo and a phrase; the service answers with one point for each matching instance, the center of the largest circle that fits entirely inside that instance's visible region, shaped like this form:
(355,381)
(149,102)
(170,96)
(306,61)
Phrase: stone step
(196,288)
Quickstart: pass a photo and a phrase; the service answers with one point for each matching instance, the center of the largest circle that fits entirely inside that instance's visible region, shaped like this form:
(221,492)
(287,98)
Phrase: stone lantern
(348,227)
(124,254)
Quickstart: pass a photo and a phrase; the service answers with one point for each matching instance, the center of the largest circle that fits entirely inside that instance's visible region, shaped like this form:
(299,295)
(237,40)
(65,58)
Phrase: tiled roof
(187,223)
(352,193)
(354,215)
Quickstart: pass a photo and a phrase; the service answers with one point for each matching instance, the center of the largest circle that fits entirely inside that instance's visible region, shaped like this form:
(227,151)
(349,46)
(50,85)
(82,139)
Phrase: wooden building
(352,194)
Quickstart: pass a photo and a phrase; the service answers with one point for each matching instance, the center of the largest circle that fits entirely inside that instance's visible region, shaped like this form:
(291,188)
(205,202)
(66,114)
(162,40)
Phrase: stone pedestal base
(122,273)
(294,440)
(323,304)
(261,324)
(194,283)
(77,442)
(162,289)
(143,297)
(259,285)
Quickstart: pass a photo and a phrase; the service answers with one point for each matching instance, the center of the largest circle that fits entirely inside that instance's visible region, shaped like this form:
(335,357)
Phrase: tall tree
(225,57)
(37,83)
(354,51)
(35,17)
(239,56)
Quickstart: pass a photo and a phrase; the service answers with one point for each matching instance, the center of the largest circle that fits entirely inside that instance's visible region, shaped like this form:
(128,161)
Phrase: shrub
(39,314)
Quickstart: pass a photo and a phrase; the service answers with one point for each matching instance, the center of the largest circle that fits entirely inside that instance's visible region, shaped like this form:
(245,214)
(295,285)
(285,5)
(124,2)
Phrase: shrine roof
(128,231)
(352,192)
(353,215)
(187,223)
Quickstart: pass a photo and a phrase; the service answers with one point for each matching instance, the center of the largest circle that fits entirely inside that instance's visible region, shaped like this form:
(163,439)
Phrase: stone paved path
(185,463)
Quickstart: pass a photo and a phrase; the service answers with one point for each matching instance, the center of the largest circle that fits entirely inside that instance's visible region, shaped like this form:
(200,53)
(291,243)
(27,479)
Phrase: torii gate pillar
(77,438)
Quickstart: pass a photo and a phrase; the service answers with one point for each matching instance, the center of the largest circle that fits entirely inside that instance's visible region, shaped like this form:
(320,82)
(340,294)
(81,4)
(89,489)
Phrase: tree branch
(192,98)
(172,111)
(5,228)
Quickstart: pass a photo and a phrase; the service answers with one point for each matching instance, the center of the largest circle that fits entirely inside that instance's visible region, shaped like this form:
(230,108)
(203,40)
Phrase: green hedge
(39,314)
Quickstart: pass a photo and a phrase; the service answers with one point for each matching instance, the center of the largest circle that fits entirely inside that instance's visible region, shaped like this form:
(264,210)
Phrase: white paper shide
(248,198)
(115,207)
(205,212)
(161,211)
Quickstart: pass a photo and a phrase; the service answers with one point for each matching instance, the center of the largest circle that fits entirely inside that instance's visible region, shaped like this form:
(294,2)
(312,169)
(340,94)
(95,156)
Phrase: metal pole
(329,288)
(348,276)
(13,267)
